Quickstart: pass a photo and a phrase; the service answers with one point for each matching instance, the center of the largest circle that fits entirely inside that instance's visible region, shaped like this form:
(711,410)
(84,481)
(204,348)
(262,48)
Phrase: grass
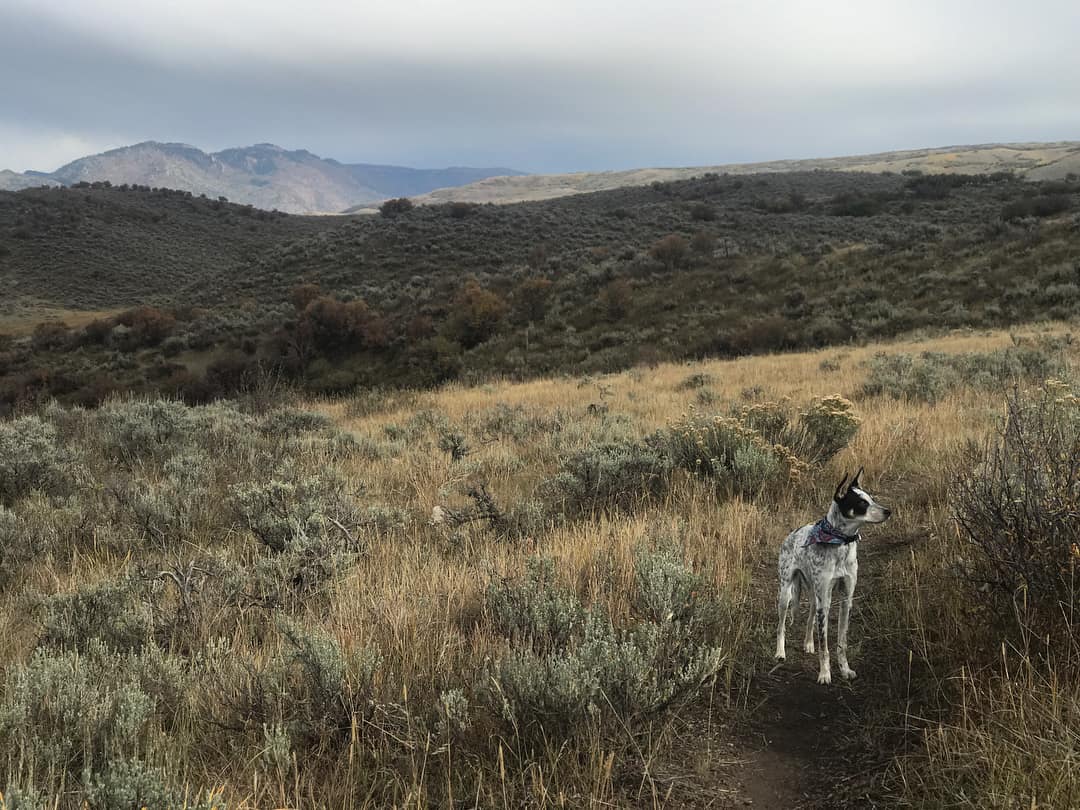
(380,685)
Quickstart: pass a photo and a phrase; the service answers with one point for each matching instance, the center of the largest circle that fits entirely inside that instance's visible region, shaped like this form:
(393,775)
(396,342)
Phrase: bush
(733,454)
(618,475)
(112,613)
(535,611)
(671,251)
(1016,500)
(931,376)
(830,424)
(66,712)
(33,458)
(129,784)
(1045,205)
(585,669)
(396,207)
(695,381)
(287,508)
(147,326)
(475,314)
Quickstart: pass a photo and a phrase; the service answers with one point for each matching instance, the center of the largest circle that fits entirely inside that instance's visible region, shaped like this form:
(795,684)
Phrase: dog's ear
(855,480)
(839,494)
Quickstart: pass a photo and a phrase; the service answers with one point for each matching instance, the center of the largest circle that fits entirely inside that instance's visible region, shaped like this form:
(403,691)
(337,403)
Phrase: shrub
(618,475)
(932,375)
(113,613)
(695,381)
(475,314)
(531,298)
(830,424)
(535,611)
(585,669)
(138,431)
(147,326)
(328,690)
(671,251)
(286,508)
(335,326)
(33,458)
(130,784)
(1045,205)
(731,453)
(396,207)
(1016,500)
(70,711)
(615,298)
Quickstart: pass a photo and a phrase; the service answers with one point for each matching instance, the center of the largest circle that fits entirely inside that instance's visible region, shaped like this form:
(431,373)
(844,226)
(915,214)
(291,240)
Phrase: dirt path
(791,743)
(803,742)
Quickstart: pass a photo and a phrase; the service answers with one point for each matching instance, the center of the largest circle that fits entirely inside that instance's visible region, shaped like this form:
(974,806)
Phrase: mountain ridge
(263,175)
(1051,160)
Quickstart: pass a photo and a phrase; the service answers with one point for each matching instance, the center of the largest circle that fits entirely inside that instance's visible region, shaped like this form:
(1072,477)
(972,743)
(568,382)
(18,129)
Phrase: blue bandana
(825,534)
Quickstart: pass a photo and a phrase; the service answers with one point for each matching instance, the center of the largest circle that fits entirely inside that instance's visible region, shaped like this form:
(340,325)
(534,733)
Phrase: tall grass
(312,612)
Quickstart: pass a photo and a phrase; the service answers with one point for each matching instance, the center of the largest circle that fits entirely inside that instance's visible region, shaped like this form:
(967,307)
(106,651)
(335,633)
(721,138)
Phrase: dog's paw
(848,673)
(808,647)
(824,677)
(780,658)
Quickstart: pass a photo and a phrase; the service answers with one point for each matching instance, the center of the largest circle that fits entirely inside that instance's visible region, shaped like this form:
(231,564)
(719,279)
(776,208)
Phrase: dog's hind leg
(823,599)
(841,640)
(808,642)
(782,607)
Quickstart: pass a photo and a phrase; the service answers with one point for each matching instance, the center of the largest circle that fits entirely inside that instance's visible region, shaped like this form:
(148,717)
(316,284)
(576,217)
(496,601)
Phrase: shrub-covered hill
(715,265)
(102,246)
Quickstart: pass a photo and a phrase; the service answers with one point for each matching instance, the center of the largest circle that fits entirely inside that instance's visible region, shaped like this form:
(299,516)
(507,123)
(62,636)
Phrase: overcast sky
(558,85)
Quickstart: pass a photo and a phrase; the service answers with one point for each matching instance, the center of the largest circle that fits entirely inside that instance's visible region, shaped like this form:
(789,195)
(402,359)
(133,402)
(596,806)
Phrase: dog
(815,557)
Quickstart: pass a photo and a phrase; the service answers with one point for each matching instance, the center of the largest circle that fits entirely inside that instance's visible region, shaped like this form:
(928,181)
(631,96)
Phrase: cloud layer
(558,86)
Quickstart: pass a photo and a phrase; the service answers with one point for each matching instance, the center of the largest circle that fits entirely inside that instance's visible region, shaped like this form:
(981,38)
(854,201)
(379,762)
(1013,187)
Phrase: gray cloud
(557,87)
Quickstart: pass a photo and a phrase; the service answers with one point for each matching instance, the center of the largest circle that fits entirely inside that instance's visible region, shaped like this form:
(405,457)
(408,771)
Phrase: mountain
(264,175)
(1032,161)
(13,181)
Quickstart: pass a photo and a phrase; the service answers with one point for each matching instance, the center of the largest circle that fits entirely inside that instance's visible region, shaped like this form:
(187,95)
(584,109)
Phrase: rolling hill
(263,175)
(718,265)
(1033,161)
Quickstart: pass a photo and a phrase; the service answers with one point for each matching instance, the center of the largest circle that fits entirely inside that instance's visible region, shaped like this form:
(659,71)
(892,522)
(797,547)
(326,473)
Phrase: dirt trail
(800,742)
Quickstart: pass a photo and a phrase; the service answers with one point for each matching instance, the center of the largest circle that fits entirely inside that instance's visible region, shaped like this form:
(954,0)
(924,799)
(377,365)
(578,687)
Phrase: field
(550,593)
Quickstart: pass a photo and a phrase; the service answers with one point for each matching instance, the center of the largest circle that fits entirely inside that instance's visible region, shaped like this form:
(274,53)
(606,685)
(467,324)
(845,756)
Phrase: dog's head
(856,504)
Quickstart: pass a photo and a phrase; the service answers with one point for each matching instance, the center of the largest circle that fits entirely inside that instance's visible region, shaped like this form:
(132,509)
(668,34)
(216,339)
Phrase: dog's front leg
(823,597)
(811,614)
(841,641)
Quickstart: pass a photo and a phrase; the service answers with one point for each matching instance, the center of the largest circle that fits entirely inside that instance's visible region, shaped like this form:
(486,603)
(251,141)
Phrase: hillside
(553,594)
(263,175)
(1034,161)
(582,284)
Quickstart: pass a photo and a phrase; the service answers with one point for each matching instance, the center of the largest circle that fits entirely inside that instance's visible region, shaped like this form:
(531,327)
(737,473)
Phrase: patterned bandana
(825,534)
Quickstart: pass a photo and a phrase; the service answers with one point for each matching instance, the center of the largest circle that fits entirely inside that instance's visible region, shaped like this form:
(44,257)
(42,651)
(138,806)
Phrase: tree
(303,294)
(395,207)
(530,299)
(615,299)
(336,326)
(671,251)
(475,315)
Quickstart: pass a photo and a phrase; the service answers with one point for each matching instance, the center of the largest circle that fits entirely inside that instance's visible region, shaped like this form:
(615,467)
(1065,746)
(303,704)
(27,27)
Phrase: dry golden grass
(24,319)
(418,596)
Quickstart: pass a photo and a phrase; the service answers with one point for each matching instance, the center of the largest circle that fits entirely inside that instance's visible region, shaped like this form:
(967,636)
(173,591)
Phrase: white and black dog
(815,557)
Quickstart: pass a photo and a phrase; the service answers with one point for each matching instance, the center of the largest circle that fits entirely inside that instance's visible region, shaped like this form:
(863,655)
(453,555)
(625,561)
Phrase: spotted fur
(819,567)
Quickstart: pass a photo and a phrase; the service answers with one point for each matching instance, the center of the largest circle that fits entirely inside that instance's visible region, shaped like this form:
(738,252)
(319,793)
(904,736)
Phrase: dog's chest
(821,562)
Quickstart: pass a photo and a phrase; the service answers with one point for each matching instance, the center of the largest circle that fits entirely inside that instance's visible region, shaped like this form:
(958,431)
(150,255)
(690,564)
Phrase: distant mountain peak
(264,175)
